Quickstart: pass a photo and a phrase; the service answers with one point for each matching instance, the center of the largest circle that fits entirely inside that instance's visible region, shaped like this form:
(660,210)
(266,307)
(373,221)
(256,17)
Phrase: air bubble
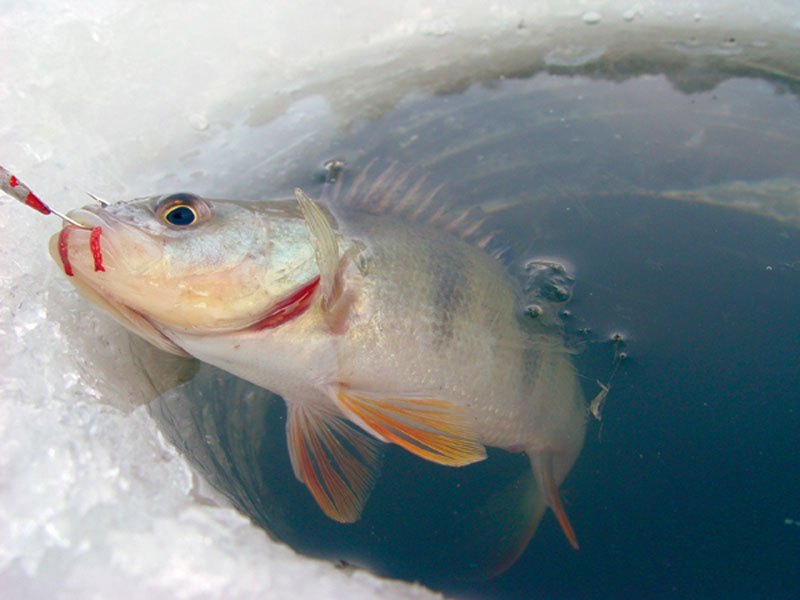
(534,311)
(333,168)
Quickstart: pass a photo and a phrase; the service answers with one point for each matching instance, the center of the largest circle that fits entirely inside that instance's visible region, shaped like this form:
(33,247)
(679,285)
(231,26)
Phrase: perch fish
(375,314)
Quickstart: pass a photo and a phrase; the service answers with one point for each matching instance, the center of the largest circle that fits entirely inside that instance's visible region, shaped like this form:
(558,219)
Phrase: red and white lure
(18,190)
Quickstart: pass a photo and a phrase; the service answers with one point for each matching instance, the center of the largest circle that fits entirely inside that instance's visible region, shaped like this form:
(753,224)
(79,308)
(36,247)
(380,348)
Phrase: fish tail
(503,524)
(542,467)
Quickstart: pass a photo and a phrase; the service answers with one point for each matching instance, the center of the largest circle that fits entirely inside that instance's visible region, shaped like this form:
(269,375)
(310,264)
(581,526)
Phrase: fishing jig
(18,190)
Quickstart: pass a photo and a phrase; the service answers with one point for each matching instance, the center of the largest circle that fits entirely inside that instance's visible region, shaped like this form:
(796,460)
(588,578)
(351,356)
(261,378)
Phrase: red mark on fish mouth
(289,308)
(94,245)
(63,250)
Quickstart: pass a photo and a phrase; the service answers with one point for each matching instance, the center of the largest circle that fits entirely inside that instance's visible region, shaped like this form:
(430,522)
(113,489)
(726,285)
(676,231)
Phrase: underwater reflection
(424,521)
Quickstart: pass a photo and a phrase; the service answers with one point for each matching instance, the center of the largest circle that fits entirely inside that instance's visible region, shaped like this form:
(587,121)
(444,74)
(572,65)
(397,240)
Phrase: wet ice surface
(94,501)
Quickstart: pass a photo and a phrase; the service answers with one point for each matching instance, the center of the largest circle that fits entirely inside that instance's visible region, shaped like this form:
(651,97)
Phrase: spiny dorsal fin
(404,192)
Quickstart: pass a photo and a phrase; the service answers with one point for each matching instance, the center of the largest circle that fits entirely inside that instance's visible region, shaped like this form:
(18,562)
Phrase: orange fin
(436,430)
(542,464)
(501,525)
(337,462)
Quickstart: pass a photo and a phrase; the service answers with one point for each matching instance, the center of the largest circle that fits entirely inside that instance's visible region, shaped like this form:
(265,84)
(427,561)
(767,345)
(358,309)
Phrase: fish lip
(125,314)
(90,218)
(86,217)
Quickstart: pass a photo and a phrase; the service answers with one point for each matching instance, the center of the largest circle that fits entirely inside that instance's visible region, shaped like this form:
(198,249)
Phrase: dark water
(692,487)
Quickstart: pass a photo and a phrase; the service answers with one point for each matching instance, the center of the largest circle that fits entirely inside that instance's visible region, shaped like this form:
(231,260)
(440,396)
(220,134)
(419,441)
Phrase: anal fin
(337,462)
(436,430)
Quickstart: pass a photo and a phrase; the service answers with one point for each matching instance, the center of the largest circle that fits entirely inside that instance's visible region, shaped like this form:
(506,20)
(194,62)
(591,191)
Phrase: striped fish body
(372,327)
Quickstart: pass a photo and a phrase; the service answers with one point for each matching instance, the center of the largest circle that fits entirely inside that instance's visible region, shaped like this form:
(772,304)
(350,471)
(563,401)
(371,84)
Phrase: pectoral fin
(337,462)
(326,247)
(436,430)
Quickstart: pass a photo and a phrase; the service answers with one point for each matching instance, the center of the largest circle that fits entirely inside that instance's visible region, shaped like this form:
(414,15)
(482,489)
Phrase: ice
(629,14)
(592,17)
(121,99)
(93,501)
(572,56)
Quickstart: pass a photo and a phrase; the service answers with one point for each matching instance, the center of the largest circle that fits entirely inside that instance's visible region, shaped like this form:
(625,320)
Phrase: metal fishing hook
(102,202)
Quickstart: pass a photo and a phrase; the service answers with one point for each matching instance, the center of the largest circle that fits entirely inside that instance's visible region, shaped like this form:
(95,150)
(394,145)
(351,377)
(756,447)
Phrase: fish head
(185,263)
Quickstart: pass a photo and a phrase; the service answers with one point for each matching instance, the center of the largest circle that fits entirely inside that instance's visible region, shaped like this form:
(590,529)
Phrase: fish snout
(102,243)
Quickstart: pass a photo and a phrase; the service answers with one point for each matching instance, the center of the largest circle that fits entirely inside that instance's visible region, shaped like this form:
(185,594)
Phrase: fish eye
(180,215)
(182,210)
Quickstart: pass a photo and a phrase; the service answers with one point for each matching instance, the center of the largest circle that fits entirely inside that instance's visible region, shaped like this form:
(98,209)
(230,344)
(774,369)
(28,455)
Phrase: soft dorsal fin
(337,462)
(404,192)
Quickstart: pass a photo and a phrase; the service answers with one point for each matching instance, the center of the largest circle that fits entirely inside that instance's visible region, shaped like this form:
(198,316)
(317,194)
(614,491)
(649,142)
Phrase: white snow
(128,98)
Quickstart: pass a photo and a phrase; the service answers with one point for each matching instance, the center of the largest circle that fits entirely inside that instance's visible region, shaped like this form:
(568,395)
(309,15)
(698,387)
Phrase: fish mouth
(109,262)
(123,313)
(69,249)
(100,233)
(86,235)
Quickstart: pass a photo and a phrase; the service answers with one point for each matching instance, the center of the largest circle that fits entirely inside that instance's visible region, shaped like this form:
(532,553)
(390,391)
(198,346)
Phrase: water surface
(691,488)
